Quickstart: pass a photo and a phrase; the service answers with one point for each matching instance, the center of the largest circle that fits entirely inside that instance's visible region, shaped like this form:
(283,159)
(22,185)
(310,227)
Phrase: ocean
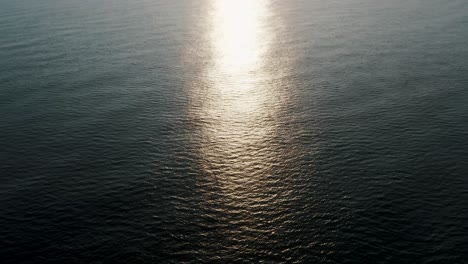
(233,131)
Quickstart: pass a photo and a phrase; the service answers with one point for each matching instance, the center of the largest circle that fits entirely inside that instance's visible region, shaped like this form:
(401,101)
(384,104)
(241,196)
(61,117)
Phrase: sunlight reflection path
(237,104)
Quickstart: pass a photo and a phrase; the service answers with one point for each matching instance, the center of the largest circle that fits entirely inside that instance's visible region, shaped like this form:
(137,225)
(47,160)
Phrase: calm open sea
(301,131)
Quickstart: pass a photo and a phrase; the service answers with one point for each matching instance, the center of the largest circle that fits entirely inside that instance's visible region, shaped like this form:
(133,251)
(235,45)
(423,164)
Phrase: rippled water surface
(155,131)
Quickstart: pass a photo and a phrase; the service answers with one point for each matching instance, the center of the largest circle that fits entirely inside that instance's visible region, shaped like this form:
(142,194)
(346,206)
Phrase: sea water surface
(167,131)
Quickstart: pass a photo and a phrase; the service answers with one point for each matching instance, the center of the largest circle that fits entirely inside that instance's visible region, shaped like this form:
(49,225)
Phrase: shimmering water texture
(225,131)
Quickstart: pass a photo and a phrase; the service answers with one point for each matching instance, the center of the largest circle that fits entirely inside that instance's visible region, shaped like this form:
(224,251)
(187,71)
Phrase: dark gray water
(154,131)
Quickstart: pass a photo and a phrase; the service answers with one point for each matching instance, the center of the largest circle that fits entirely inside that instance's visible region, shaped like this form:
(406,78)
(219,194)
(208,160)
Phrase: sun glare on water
(236,105)
(239,36)
(237,93)
(240,42)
